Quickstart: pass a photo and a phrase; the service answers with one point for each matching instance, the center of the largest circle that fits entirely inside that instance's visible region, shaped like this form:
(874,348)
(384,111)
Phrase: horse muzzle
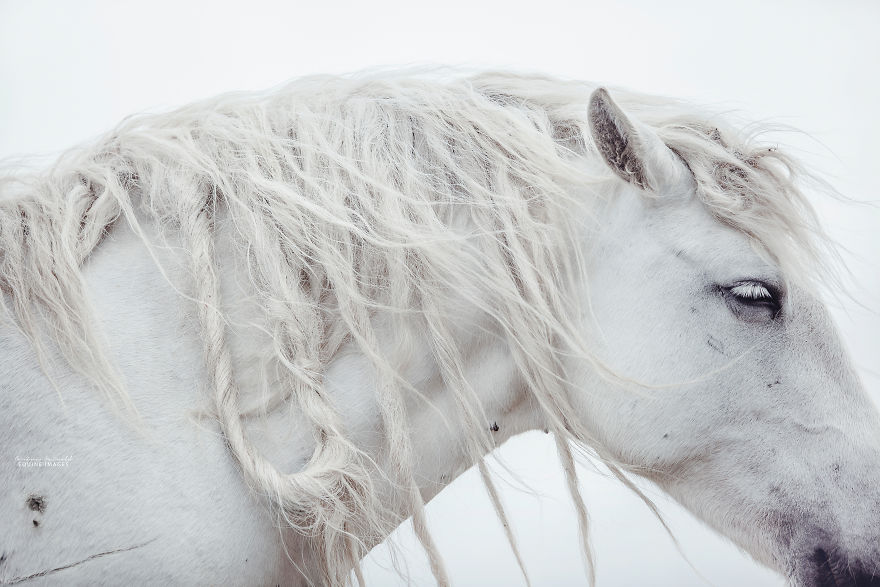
(826,568)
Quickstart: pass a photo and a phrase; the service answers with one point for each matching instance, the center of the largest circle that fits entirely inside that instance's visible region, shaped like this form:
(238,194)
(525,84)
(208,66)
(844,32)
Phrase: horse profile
(261,331)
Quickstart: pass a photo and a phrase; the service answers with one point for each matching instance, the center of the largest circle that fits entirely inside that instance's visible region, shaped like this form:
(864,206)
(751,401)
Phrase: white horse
(245,340)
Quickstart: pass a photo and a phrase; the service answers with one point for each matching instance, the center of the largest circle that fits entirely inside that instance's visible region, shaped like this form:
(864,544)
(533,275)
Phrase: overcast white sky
(70,70)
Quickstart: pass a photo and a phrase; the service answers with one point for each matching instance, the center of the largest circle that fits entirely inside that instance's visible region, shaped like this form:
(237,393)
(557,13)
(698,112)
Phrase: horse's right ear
(632,150)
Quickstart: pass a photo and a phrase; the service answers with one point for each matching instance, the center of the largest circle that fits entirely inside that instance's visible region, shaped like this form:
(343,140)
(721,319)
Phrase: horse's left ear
(631,149)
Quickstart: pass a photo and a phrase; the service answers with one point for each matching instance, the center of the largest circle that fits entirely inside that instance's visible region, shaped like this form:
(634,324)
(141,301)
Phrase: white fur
(347,281)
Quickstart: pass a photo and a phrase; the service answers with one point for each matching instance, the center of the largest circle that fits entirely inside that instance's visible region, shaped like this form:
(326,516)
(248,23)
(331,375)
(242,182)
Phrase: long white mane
(355,198)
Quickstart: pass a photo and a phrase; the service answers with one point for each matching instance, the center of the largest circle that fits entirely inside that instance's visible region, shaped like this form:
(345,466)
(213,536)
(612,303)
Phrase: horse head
(743,404)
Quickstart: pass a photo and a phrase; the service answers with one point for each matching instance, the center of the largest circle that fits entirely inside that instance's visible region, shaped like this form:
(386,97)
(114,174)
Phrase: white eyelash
(752,291)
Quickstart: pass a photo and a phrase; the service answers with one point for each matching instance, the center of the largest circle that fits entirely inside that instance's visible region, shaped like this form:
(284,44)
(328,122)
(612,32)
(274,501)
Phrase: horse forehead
(683,226)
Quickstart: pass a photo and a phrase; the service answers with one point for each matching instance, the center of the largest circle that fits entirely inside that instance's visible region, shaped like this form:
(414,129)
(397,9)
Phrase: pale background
(70,70)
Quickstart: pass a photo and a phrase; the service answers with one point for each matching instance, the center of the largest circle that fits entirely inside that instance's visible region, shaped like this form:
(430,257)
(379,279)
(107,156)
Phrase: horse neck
(438,429)
(438,432)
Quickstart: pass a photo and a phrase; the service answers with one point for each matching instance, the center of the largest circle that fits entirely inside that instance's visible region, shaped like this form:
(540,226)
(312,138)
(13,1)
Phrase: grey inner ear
(615,137)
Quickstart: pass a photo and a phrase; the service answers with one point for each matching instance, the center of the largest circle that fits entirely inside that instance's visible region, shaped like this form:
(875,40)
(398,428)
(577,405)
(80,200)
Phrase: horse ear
(631,149)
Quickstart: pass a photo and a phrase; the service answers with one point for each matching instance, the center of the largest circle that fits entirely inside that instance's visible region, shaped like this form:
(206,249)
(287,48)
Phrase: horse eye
(752,301)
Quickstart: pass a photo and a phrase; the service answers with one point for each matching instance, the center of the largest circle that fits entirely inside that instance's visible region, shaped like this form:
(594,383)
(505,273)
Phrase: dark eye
(752,301)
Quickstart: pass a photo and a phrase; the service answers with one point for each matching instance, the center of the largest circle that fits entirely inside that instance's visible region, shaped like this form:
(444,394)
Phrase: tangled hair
(354,198)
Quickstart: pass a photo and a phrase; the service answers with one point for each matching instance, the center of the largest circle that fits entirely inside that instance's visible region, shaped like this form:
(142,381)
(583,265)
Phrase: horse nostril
(832,571)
